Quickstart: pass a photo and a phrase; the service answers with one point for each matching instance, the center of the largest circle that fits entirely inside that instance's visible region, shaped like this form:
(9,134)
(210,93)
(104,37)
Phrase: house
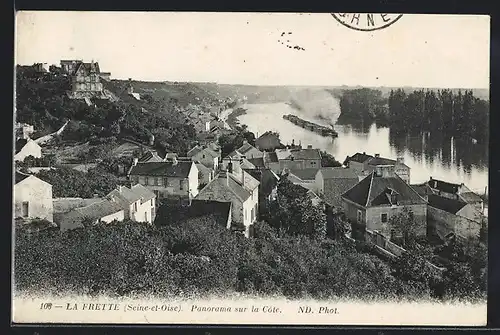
(85,77)
(104,211)
(176,178)
(65,205)
(365,164)
(205,175)
(248,150)
(24,131)
(371,203)
(241,189)
(41,67)
(303,177)
(236,157)
(268,187)
(297,159)
(453,216)
(451,191)
(332,182)
(269,141)
(205,155)
(32,197)
(25,148)
(137,202)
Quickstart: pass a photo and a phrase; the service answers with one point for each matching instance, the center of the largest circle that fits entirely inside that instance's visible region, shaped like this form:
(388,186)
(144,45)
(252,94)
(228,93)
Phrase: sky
(243,48)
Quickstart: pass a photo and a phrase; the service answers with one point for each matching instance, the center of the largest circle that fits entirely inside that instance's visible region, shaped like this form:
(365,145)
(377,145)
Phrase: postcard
(250,168)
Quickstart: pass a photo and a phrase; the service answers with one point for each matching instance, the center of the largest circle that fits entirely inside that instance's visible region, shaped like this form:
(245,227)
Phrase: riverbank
(232,118)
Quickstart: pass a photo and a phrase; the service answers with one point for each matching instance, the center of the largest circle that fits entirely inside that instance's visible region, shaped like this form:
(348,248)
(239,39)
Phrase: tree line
(459,114)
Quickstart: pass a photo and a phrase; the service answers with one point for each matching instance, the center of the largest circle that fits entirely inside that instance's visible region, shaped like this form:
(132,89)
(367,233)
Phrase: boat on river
(318,129)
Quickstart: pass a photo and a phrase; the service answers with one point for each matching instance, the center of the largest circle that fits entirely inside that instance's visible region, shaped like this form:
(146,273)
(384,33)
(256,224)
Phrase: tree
(328,160)
(405,224)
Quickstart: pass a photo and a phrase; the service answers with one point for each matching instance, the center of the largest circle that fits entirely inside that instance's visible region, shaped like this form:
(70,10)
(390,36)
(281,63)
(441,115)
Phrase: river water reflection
(427,155)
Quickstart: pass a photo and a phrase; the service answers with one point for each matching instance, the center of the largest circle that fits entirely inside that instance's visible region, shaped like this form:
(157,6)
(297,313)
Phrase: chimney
(136,160)
(377,155)
(151,139)
(309,146)
(401,160)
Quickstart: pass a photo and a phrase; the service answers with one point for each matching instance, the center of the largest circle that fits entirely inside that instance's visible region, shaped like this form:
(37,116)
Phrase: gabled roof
(335,187)
(225,182)
(444,186)
(338,173)
(304,154)
(449,205)
(282,154)
(203,169)
(150,156)
(381,161)
(422,189)
(305,174)
(369,191)
(359,157)
(99,209)
(167,169)
(142,191)
(246,147)
(198,148)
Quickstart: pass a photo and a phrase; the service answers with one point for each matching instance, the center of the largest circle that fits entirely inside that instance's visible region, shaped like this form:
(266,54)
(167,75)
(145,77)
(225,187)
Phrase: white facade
(30,149)
(33,199)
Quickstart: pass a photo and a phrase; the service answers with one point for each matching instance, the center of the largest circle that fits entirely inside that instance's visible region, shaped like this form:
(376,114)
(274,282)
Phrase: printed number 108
(45,305)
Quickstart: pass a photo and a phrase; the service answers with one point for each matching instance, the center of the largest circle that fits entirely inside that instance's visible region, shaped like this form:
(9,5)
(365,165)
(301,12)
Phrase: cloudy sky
(243,48)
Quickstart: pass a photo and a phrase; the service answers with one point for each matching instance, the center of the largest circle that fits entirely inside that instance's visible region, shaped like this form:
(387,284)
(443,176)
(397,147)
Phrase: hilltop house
(268,186)
(25,148)
(332,182)
(103,211)
(269,141)
(137,202)
(241,189)
(298,159)
(206,156)
(32,197)
(381,195)
(365,164)
(451,191)
(173,178)
(84,76)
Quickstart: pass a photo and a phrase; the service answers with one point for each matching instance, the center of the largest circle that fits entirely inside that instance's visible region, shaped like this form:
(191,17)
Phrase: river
(446,159)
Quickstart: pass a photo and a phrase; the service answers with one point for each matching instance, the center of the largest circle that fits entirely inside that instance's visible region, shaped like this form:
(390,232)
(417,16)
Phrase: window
(383,217)
(135,206)
(146,216)
(146,180)
(181,184)
(158,181)
(25,209)
(252,214)
(165,181)
(360,216)
(246,215)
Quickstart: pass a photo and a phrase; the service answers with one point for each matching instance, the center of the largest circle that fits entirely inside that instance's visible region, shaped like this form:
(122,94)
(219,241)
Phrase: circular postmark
(366,21)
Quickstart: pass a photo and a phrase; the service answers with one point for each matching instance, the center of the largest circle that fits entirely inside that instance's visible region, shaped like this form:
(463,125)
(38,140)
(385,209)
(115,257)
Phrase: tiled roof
(99,209)
(381,161)
(168,169)
(63,205)
(470,197)
(207,151)
(142,191)
(246,147)
(282,154)
(203,169)
(443,186)
(225,181)
(335,187)
(150,156)
(371,187)
(449,205)
(338,173)
(306,154)
(359,157)
(422,189)
(305,174)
